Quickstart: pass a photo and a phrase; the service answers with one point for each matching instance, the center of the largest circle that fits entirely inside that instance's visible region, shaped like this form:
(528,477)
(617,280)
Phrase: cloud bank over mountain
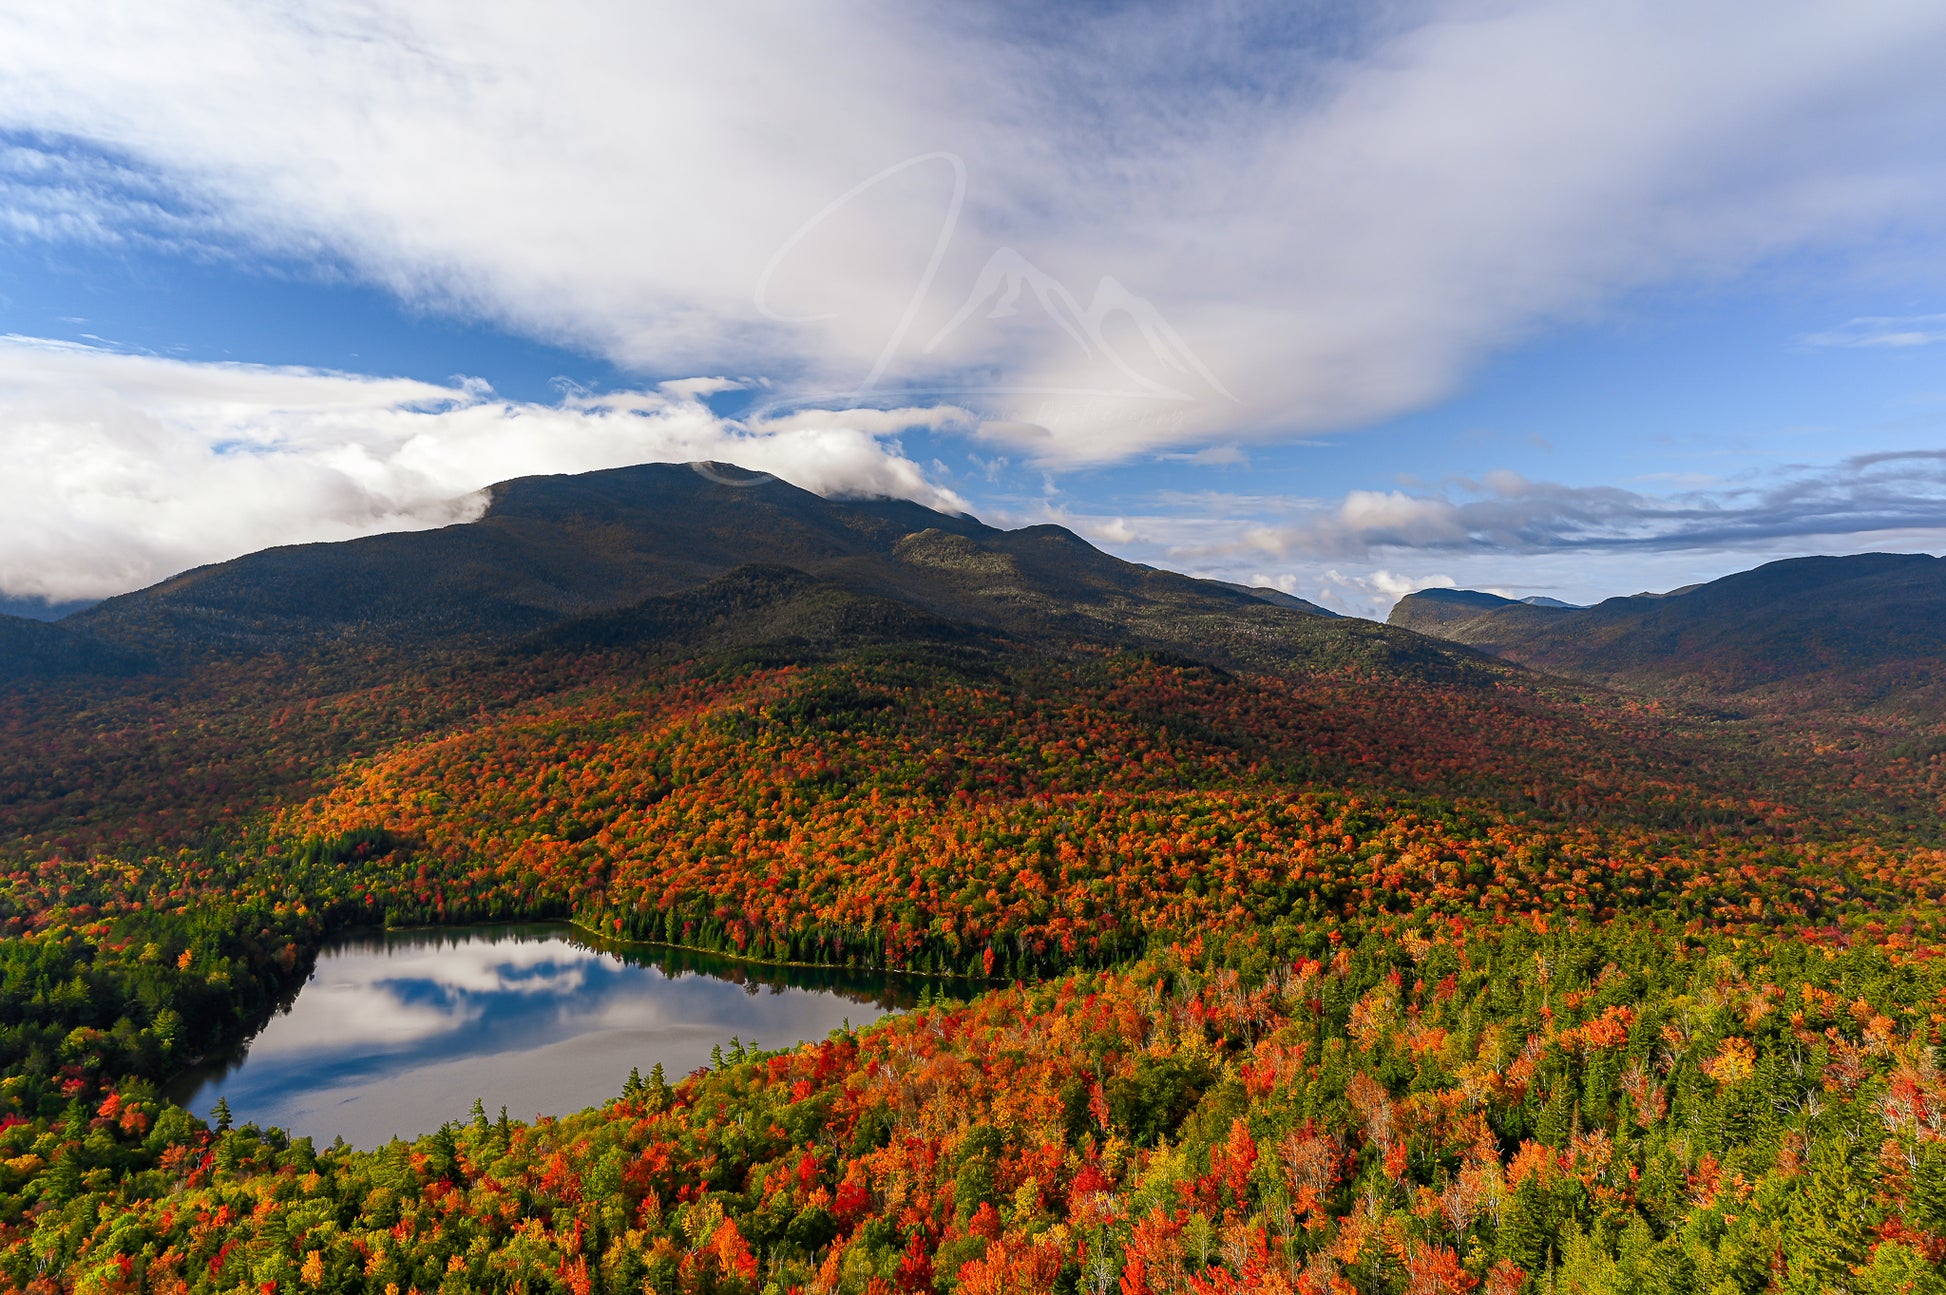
(124,469)
(1108,232)
(1092,238)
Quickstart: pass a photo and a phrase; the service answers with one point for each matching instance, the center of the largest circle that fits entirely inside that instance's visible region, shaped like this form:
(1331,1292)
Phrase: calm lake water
(395,1034)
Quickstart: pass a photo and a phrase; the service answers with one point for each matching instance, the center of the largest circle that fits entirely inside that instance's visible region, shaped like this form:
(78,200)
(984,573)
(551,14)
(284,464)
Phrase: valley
(1241,946)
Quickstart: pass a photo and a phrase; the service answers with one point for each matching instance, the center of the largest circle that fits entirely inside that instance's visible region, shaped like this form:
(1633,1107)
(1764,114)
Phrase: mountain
(545,550)
(550,551)
(1850,632)
(1431,610)
(1227,935)
(33,648)
(1434,611)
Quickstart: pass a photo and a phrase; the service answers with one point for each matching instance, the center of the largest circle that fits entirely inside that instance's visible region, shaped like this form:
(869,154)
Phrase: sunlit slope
(925,809)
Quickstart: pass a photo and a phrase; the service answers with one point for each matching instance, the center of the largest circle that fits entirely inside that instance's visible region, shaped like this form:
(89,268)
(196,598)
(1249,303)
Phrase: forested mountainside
(1849,634)
(1263,951)
(548,549)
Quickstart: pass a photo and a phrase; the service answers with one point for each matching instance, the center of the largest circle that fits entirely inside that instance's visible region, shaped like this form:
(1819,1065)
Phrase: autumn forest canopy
(1263,950)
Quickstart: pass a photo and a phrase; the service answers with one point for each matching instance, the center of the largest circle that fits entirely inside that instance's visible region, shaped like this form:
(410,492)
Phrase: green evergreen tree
(1523,1237)
(442,1154)
(1898,1269)
(1831,1218)
(1556,1123)
(1636,1260)
(1925,1197)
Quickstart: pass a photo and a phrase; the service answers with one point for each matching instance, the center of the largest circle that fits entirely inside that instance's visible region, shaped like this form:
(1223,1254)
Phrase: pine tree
(442,1153)
(1832,1217)
(1523,1235)
(221,1114)
(1556,1123)
(1925,1195)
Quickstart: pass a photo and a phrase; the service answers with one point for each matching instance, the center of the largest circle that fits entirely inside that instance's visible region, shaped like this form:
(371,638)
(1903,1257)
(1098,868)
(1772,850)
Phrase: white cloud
(123,469)
(1331,225)
(1895,332)
(1504,513)
(1394,585)
(700,388)
(1370,594)
(1211,456)
(1109,530)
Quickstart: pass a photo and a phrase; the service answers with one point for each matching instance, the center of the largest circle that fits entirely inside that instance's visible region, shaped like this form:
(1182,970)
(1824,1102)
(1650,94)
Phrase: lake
(395,1034)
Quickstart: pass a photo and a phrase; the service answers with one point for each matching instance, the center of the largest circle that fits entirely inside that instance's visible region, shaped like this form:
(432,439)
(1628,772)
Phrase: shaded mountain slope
(549,550)
(41,649)
(546,549)
(1439,611)
(777,612)
(1843,631)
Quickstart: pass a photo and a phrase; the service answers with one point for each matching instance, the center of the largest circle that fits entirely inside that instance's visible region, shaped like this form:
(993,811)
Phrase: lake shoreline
(398,1029)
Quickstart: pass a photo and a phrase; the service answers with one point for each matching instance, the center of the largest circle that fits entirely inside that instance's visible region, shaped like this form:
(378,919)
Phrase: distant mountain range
(1432,610)
(697,558)
(1849,631)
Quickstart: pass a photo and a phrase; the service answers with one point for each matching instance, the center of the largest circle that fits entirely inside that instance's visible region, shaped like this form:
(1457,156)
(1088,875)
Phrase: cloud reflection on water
(395,1036)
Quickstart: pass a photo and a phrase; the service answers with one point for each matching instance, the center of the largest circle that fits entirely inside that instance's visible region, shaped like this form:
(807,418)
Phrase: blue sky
(1539,297)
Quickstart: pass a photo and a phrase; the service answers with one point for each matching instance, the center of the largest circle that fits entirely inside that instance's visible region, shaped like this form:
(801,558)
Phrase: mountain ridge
(1856,630)
(551,549)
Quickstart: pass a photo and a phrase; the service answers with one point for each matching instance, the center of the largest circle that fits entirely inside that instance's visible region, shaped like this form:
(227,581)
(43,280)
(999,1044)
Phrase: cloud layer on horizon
(1361,552)
(1147,229)
(124,469)
(128,468)
(1506,513)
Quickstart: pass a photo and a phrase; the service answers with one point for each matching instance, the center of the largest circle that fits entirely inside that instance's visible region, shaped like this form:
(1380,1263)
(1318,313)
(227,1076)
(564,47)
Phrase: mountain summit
(553,550)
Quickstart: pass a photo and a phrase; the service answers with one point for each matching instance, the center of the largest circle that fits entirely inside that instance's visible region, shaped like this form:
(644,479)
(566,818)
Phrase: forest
(1324,981)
